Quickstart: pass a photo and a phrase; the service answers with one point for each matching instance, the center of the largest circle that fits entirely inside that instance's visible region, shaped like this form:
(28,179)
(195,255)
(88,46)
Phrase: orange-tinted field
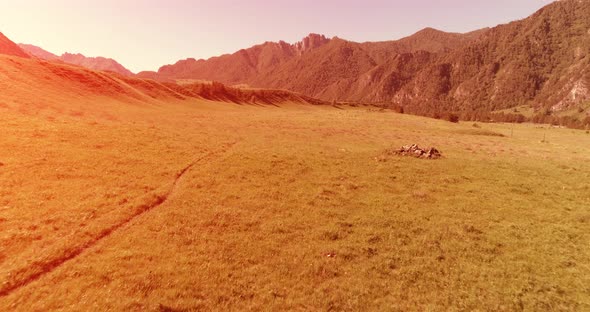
(111,202)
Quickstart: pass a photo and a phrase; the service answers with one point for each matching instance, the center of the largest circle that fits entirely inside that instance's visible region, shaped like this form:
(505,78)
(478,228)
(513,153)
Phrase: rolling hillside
(7,47)
(34,85)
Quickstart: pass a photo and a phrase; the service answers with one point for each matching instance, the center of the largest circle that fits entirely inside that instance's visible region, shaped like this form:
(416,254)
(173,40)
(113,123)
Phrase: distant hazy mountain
(96,63)
(38,52)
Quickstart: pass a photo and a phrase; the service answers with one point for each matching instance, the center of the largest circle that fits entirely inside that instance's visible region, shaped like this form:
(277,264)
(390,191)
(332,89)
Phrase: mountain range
(537,64)
(531,68)
(96,63)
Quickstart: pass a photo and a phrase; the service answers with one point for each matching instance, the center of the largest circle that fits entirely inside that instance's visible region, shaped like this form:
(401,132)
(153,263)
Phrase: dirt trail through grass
(46,267)
(301,214)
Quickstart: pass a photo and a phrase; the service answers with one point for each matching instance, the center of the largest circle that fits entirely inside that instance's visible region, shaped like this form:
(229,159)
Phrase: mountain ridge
(96,63)
(241,66)
(540,64)
(262,66)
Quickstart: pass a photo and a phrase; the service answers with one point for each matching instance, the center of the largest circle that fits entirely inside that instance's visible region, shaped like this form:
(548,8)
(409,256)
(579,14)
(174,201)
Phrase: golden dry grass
(288,208)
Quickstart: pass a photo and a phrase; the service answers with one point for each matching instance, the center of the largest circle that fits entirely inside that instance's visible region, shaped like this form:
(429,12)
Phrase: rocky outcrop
(415,151)
(410,151)
(312,41)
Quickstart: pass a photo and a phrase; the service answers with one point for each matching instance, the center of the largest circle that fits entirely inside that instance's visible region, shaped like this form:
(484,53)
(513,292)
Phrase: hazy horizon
(144,35)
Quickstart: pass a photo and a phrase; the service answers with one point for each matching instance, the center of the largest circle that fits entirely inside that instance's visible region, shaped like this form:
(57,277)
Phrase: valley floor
(210,206)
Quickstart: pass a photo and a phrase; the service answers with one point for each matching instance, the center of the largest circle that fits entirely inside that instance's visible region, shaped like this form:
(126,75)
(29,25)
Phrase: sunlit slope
(7,47)
(34,85)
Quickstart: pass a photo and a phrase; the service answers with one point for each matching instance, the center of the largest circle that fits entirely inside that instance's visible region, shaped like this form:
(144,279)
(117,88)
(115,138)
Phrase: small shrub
(398,109)
(452,117)
(475,125)
(546,112)
(482,132)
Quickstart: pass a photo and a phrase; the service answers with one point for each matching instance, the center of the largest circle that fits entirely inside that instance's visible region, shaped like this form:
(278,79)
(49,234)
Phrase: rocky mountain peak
(312,41)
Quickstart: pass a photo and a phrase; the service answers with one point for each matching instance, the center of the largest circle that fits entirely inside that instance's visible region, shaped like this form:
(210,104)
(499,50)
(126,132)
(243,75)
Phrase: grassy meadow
(210,206)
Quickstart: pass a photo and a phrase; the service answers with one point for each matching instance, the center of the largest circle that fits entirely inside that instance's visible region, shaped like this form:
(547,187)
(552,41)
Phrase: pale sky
(146,34)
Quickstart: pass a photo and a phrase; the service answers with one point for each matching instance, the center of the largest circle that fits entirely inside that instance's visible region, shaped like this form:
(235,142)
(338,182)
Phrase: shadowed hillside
(542,61)
(370,71)
(315,66)
(242,66)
